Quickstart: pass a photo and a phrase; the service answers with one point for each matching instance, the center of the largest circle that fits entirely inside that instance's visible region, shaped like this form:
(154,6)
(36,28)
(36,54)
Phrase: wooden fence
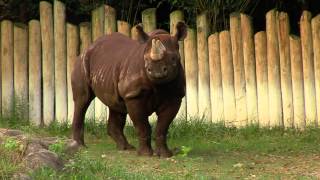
(270,78)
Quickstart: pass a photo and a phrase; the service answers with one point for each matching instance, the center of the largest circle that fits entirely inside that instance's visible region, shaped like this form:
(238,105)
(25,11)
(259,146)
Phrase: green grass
(209,151)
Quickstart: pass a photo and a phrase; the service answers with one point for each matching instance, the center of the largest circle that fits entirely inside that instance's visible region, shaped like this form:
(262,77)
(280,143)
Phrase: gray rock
(11,132)
(21,176)
(43,158)
(33,148)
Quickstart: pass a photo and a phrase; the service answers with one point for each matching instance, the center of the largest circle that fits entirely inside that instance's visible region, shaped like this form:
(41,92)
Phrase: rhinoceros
(135,77)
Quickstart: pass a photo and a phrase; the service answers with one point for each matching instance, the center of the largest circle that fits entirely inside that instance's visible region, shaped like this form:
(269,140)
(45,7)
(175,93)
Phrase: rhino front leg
(116,125)
(139,116)
(166,113)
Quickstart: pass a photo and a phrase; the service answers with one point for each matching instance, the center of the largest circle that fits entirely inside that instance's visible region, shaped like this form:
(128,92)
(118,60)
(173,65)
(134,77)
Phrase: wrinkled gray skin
(122,74)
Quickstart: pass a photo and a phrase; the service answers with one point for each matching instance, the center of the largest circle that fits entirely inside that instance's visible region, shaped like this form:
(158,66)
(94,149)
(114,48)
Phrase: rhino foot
(164,152)
(74,146)
(125,147)
(145,151)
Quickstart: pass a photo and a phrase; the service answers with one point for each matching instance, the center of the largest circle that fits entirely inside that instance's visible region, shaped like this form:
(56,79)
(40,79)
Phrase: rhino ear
(181,32)
(142,36)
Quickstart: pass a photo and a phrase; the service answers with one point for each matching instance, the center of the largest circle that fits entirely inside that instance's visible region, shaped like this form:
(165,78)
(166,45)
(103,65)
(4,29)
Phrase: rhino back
(108,58)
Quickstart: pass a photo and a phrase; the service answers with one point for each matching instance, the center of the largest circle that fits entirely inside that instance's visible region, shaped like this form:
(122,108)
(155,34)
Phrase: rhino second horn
(157,50)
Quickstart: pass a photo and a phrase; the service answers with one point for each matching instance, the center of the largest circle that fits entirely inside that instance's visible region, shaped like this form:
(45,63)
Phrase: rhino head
(161,55)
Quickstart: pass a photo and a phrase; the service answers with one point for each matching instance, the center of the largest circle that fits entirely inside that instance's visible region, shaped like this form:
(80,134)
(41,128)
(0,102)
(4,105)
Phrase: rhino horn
(157,50)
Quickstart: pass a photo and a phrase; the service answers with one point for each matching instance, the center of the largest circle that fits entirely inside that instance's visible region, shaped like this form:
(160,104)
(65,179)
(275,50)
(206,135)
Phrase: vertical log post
(191,69)
(35,73)
(7,67)
(60,59)
(249,68)
(110,22)
(47,39)
(149,23)
(98,15)
(72,53)
(297,82)
(134,33)
(216,91)
(238,65)
(20,56)
(85,41)
(260,41)
(285,70)
(203,65)
(0,74)
(124,28)
(308,68)
(175,17)
(275,111)
(229,104)
(149,19)
(316,51)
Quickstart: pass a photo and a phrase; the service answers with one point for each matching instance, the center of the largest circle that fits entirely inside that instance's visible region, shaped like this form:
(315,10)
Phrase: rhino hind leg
(116,123)
(82,96)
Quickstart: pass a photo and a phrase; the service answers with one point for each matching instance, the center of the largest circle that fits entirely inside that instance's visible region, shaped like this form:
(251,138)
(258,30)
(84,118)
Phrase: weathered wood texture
(229,104)
(216,91)
(72,53)
(285,70)
(7,67)
(60,61)
(124,28)
(308,68)
(297,83)
(35,73)
(85,41)
(203,65)
(175,17)
(238,67)
(260,41)
(47,42)
(316,52)
(98,16)
(149,19)
(249,68)
(20,58)
(191,70)
(274,85)
(110,22)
